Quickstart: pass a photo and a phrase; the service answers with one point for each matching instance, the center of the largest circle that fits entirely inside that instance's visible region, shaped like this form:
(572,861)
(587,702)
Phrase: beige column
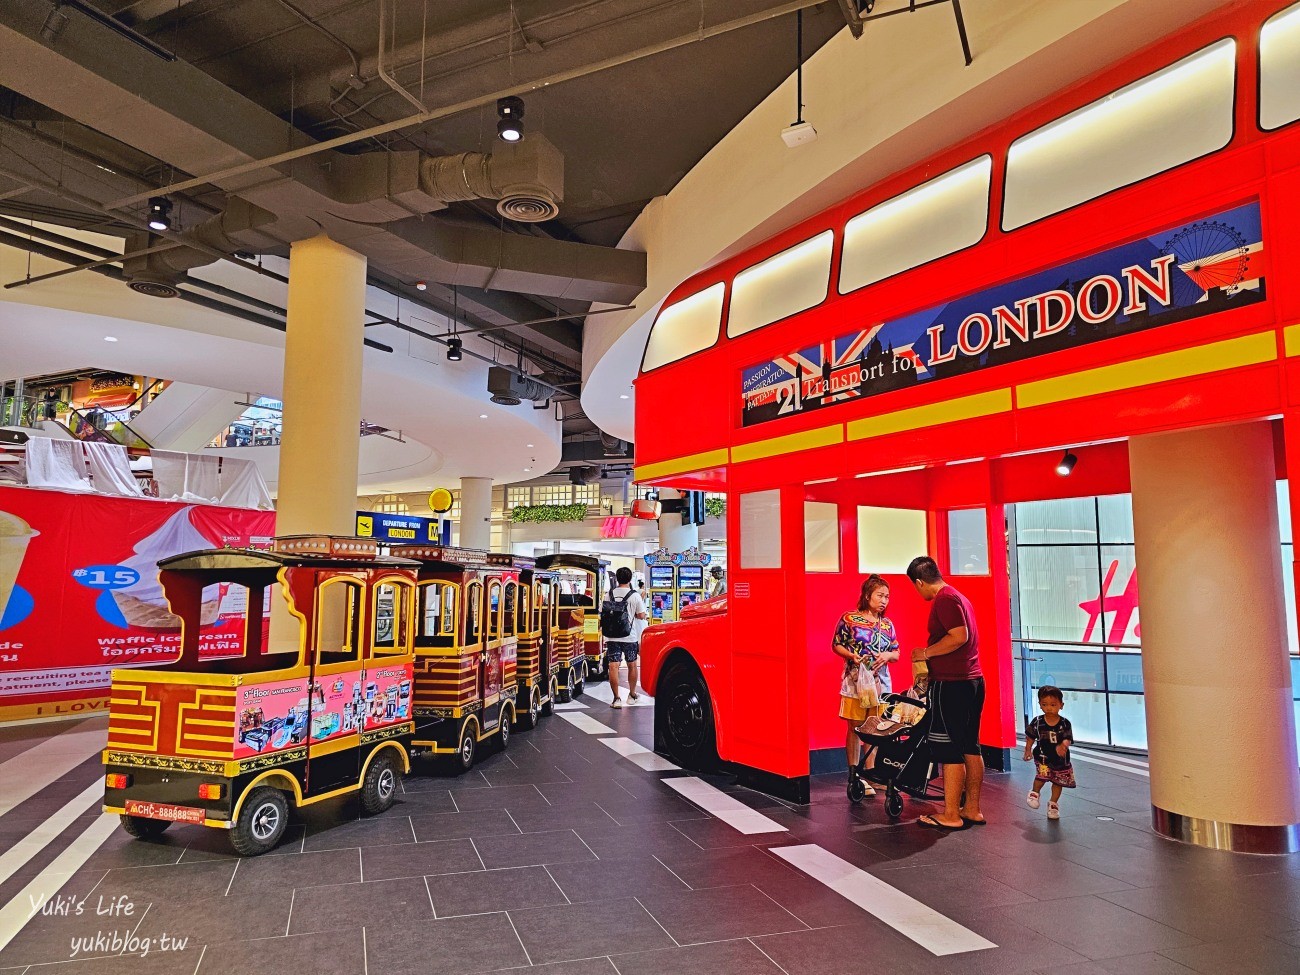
(322,389)
(476,512)
(1220,724)
(673,535)
(317,484)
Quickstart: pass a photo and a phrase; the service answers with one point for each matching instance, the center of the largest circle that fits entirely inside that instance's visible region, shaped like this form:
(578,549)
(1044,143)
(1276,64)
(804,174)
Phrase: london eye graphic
(1210,255)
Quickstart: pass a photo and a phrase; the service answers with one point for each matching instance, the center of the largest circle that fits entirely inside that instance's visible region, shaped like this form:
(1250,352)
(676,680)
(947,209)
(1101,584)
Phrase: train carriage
(318,705)
(583,582)
(535,619)
(466,649)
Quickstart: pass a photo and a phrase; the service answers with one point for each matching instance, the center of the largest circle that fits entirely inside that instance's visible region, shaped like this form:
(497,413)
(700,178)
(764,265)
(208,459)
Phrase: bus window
(337,637)
(473,613)
(494,610)
(760,530)
(447,624)
(392,617)
(1279,69)
(1177,114)
(786,283)
(691,325)
(889,538)
(821,536)
(930,221)
(437,614)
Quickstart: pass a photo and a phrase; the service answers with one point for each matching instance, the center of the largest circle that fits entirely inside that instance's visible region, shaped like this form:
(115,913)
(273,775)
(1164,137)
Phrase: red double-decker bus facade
(1079,315)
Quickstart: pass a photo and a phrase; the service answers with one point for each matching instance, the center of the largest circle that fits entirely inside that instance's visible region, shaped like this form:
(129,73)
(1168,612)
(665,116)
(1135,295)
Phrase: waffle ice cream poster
(1195,269)
(79,592)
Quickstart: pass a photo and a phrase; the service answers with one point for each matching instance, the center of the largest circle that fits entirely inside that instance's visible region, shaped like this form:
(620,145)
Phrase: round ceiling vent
(528,206)
(153,288)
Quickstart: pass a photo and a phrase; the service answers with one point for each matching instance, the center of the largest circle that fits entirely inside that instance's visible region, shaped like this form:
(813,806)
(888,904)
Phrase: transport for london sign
(1196,269)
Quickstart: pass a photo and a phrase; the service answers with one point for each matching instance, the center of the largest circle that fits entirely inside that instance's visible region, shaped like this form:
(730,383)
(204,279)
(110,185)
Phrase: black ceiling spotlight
(160,209)
(511,112)
(1066,464)
(453,350)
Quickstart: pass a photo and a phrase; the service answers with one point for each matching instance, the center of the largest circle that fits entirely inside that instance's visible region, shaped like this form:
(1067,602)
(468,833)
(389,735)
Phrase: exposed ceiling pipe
(456,108)
(384,14)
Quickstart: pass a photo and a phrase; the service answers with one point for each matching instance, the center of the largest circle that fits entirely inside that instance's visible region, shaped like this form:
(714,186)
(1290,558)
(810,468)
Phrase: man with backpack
(622,620)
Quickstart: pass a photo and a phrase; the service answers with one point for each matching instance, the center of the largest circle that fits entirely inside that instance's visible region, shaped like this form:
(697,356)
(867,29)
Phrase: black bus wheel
(465,750)
(684,718)
(143,828)
(566,692)
(549,707)
(503,731)
(262,822)
(379,788)
(580,682)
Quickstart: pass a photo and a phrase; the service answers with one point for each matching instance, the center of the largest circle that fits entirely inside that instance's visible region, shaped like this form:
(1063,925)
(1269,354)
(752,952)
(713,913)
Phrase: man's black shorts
(955,707)
(618,652)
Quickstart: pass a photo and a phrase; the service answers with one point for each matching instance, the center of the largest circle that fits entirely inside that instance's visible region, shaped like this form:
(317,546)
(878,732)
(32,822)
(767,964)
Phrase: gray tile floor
(562,857)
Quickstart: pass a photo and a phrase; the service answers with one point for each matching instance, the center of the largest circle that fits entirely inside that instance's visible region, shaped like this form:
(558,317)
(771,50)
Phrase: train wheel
(143,828)
(503,732)
(379,789)
(580,684)
(549,706)
(566,692)
(465,750)
(528,720)
(684,718)
(261,823)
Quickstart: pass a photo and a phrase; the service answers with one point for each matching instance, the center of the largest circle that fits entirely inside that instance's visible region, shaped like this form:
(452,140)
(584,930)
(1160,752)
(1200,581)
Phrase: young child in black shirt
(1049,738)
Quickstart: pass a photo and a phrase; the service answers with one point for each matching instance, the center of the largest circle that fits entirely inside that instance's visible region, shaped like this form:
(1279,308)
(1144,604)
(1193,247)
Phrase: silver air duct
(509,388)
(526,179)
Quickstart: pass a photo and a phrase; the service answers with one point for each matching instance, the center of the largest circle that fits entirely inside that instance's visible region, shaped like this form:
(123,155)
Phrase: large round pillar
(322,389)
(476,512)
(673,535)
(1220,724)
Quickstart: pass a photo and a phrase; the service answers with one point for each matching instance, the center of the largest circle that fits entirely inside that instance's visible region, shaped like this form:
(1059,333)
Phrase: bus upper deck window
(691,325)
(786,283)
(1177,114)
(1279,69)
(937,218)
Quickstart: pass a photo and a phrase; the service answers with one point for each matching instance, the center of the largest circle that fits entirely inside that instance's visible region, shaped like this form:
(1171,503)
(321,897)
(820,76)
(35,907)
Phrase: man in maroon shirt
(956,696)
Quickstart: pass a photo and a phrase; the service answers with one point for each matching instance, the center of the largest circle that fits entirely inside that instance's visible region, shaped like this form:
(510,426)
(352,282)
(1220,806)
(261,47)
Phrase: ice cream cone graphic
(15,534)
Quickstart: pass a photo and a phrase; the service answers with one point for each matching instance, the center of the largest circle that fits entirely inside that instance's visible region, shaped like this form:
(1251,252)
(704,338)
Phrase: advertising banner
(79,592)
(1196,269)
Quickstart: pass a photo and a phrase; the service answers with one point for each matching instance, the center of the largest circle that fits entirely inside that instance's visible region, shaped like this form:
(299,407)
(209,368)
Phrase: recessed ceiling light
(110,338)
(529,445)
(622,395)
(482,416)
(527,469)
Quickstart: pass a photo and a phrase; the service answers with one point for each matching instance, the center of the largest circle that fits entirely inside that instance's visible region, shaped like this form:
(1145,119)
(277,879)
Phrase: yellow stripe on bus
(1291,340)
(788,444)
(932,414)
(1249,350)
(681,465)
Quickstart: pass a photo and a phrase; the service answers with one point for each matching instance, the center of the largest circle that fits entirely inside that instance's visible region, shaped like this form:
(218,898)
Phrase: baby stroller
(898,739)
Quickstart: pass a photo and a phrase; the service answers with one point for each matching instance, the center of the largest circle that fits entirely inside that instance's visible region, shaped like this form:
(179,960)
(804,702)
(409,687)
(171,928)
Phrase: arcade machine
(676,580)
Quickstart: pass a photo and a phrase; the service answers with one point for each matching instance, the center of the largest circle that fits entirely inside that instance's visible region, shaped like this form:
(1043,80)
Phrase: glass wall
(1075,619)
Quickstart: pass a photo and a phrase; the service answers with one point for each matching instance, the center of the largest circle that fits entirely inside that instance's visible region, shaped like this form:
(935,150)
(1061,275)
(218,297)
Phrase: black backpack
(615,620)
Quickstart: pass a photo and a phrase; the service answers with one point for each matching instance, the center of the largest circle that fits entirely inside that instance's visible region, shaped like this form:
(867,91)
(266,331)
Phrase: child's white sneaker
(1033,800)
(1053,811)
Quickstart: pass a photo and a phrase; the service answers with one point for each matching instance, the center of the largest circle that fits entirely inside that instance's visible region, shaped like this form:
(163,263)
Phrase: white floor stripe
(936,933)
(38,839)
(639,755)
(601,692)
(571,706)
(1114,757)
(27,773)
(29,901)
(586,723)
(1115,765)
(716,802)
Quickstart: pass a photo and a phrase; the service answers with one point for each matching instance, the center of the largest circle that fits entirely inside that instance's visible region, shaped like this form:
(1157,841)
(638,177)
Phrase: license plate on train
(165,810)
